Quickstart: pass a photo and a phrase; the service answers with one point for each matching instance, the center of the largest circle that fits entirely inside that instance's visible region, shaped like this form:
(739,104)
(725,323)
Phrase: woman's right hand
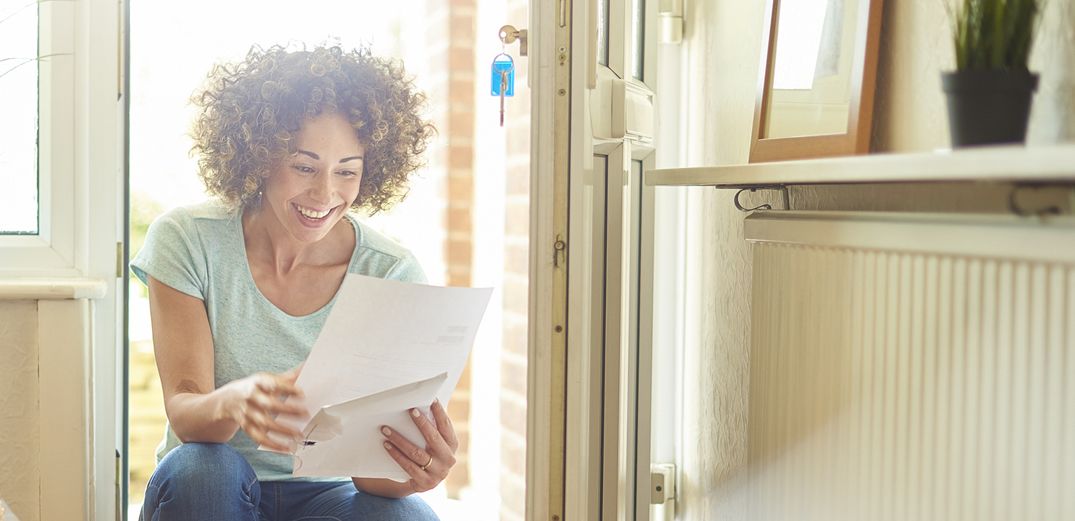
(255,402)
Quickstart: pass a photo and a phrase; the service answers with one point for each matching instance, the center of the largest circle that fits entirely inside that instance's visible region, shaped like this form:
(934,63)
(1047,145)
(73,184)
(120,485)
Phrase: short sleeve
(407,269)
(172,255)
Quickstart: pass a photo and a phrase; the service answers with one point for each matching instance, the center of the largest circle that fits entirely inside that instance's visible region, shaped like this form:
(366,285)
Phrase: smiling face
(309,191)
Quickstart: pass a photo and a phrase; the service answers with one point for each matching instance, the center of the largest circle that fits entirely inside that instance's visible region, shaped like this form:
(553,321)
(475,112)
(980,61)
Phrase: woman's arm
(183,345)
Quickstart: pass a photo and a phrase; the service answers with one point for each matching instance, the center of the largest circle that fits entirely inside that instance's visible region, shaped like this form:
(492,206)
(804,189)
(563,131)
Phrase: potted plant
(990,91)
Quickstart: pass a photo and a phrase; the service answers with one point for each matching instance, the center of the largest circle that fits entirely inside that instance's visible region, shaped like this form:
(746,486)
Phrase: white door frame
(546,370)
(585,412)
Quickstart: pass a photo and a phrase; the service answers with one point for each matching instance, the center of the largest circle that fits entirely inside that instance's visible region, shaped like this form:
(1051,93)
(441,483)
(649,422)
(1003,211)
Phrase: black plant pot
(988,106)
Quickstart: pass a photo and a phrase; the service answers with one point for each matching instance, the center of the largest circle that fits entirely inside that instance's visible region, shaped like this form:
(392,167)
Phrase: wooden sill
(1046,164)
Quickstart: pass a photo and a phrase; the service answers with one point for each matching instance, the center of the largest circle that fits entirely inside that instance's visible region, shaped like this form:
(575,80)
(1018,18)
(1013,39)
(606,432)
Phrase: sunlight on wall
(172,51)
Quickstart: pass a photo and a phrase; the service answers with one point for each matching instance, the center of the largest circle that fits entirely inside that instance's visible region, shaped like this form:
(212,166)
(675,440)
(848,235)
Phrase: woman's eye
(348,173)
(304,169)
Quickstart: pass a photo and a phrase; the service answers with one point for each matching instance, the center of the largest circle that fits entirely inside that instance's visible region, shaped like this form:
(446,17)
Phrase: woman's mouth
(312,217)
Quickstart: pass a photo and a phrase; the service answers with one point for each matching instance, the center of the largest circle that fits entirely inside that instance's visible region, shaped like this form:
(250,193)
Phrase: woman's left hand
(427,467)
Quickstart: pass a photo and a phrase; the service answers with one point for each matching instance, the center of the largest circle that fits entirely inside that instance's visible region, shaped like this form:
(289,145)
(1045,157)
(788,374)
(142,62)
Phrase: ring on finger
(428,463)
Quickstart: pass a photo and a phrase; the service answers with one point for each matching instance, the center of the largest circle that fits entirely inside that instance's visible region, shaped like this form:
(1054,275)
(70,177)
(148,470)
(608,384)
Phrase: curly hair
(251,112)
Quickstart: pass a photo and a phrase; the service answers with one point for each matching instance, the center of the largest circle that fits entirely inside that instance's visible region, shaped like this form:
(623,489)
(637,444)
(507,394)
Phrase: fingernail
(386,431)
(415,413)
(388,445)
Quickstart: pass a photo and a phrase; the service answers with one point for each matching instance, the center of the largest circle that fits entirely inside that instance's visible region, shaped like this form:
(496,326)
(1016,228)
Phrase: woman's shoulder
(179,245)
(371,240)
(190,218)
(378,255)
(212,209)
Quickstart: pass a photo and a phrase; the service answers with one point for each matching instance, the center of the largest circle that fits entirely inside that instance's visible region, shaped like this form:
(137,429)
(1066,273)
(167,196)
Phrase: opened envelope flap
(396,399)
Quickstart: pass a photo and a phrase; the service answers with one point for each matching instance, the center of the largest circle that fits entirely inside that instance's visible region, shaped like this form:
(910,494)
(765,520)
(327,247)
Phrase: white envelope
(345,439)
(410,341)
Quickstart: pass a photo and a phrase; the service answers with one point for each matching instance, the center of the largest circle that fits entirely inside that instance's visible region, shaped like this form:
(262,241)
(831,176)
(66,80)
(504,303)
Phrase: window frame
(54,250)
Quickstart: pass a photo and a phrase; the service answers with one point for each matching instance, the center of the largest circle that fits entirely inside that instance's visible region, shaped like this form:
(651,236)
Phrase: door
(593,115)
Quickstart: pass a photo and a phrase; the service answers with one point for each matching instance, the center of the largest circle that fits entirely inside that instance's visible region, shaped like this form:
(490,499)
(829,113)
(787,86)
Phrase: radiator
(908,367)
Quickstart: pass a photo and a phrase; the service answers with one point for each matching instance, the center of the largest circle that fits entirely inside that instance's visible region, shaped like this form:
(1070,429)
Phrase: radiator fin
(906,386)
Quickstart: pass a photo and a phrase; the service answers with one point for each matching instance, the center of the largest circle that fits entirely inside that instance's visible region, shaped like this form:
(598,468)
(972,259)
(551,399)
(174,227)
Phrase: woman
(288,142)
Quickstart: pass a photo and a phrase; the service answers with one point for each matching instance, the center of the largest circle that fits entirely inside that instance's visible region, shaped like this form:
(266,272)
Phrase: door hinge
(119,260)
(662,480)
(119,486)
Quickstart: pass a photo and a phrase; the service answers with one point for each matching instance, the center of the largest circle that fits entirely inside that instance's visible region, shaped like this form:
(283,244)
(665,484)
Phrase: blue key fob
(503,75)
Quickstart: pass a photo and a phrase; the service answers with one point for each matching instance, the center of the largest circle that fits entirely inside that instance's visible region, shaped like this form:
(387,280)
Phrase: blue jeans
(213,482)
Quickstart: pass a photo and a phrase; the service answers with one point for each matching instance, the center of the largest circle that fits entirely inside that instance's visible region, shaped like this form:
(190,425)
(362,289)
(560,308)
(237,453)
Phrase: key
(503,89)
(502,80)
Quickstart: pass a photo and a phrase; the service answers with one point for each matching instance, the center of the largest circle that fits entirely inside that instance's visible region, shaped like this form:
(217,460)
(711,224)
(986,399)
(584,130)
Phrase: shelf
(52,289)
(1007,164)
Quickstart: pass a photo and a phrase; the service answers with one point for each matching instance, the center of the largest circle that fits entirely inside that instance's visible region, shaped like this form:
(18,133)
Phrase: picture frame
(817,117)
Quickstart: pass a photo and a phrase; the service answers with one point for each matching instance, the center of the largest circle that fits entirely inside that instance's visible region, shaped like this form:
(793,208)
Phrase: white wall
(723,40)
(47,467)
(19,416)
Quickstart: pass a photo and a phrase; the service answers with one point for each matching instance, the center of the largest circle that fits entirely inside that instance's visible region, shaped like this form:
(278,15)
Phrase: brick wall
(516,284)
(450,54)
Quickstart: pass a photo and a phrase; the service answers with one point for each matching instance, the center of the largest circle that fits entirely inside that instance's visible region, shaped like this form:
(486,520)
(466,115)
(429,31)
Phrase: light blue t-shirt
(199,250)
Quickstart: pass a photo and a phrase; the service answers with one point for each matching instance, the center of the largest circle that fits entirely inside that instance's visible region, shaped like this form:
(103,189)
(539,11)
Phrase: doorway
(466,217)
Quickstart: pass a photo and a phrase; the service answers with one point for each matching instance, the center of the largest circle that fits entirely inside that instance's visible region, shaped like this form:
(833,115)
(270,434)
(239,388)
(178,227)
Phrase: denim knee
(205,465)
(407,508)
(414,507)
(211,478)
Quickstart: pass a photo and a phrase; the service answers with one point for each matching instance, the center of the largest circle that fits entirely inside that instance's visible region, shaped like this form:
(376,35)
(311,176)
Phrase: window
(18,127)
(39,196)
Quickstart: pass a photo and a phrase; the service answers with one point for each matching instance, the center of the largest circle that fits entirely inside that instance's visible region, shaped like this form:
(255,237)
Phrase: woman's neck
(269,243)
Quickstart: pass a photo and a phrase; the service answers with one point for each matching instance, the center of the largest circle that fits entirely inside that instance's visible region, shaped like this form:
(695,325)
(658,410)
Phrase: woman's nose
(321,188)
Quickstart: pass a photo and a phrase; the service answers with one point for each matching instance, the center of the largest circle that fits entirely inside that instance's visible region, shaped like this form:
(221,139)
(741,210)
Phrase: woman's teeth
(313,214)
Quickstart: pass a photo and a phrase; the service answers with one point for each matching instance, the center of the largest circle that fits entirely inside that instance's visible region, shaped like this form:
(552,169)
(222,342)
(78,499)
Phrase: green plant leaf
(994,34)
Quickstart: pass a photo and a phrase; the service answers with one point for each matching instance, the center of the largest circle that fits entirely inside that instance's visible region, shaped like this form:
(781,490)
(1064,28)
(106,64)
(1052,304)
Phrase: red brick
(462,127)
(460,191)
(459,250)
(459,219)
(460,157)
(460,58)
(460,102)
